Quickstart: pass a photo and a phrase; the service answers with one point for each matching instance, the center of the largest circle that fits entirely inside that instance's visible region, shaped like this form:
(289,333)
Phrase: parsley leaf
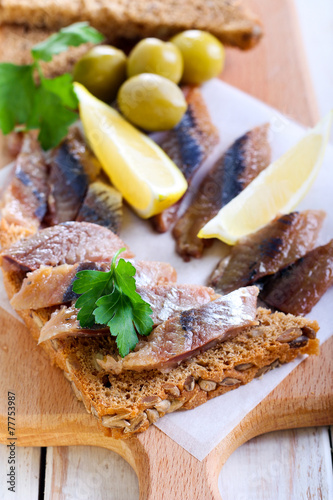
(63,88)
(72,36)
(116,311)
(17,89)
(50,116)
(125,279)
(50,104)
(93,285)
(141,317)
(110,298)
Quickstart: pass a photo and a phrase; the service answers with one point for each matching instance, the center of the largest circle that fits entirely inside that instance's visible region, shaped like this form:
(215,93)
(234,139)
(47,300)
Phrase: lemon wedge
(278,189)
(149,181)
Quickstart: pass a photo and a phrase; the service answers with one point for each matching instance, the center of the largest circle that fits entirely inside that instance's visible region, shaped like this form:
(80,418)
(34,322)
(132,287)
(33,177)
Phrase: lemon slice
(277,189)
(147,178)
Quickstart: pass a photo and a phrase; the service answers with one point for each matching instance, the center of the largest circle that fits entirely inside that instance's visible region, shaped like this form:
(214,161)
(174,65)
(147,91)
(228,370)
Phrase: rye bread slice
(128,403)
(228,20)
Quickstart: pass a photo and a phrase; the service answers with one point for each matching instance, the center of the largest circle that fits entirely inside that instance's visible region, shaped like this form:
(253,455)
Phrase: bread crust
(228,20)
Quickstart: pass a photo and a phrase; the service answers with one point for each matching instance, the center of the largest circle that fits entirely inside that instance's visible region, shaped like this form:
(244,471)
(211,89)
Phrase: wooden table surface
(281,465)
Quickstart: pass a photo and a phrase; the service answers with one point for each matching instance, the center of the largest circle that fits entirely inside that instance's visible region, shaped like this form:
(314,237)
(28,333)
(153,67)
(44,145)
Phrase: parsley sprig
(110,298)
(28,100)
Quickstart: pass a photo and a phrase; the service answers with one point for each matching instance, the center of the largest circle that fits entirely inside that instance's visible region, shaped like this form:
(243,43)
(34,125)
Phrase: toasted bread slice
(128,403)
(228,20)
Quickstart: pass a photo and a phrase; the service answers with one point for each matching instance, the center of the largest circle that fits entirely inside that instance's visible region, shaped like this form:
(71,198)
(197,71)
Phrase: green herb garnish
(110,298)
(50,104)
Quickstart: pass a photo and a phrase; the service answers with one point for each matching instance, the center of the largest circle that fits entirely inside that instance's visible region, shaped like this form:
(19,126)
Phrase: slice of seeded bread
(228,20)
(128,403)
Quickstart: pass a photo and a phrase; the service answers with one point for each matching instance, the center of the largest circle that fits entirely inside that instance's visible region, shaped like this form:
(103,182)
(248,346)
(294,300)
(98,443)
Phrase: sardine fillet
(102,205)
(188,145)
(192,331)
(264,252)
(165,301)
(297,288)
(66,243)
(68,185)
(240,164)
(50,286)
(24,201)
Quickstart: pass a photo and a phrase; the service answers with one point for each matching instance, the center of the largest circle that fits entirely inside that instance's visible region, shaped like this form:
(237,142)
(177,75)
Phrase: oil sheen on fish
(264,252)
(297,288)
(189,144)
(190,332)
(102,205)
(241,163)
(165,300)
(168,300)
(67,243)
(25,199)
(50,286)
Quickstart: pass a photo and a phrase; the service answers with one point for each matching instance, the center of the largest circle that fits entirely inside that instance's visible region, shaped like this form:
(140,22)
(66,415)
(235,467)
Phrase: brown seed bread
(128,403)
(228,20)
(17,41)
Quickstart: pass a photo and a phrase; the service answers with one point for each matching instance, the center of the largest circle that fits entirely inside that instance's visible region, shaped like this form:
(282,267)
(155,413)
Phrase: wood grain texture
(276,73)
(294,464)
(27,473)
(88,473)
(285,464)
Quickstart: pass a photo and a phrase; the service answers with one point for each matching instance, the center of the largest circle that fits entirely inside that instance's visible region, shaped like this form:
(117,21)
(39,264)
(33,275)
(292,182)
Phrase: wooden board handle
(165,470)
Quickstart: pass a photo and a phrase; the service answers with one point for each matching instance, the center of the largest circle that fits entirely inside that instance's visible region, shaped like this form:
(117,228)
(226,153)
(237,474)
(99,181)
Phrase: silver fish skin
(297,288)
(169,300)
(269,249)
(24,201)
(188,144)
(67,243)
(102,205)
(165,300)
(72,167)
(50,286)
(240,164)
(190,332)
(68,185)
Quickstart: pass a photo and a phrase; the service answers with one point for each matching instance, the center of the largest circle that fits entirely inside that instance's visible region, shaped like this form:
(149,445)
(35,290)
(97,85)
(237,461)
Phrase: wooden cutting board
(48,413)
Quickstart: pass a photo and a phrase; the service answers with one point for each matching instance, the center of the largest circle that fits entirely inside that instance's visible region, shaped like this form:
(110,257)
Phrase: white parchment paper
(234,113)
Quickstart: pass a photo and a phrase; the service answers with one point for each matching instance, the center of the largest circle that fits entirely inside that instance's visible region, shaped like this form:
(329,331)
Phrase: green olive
(154,56)
(203,55)
(101,70)
(151,102)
